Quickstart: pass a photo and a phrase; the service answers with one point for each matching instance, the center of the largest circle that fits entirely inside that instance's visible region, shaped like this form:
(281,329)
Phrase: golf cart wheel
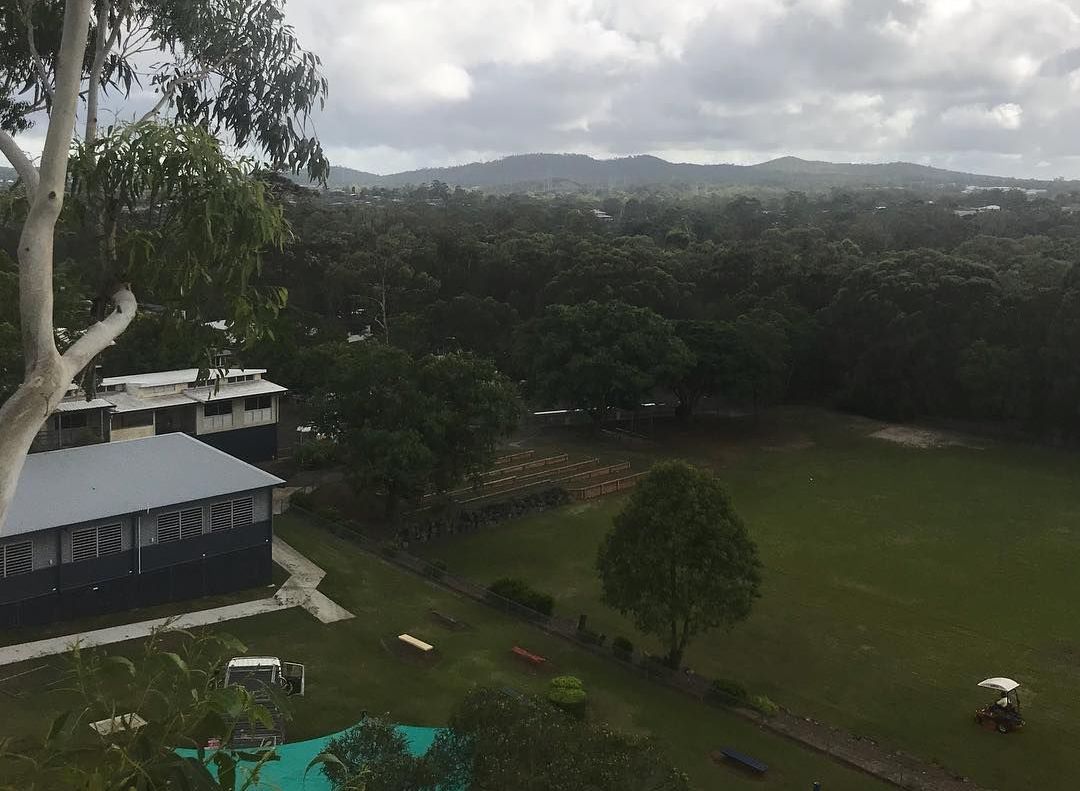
(1002,728)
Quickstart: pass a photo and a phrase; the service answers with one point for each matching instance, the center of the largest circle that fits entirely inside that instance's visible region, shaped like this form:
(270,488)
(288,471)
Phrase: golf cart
(1004,713)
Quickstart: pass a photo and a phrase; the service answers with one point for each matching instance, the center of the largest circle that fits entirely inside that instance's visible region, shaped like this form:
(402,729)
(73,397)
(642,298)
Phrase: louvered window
(191,522)
(221,516)
(16,558)
(242,512)
(168,527)
(93,542)
(231,513)
(178,525)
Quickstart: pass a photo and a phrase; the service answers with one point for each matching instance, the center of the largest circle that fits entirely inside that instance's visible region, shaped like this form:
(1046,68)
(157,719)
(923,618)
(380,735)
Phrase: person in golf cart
(1004,713)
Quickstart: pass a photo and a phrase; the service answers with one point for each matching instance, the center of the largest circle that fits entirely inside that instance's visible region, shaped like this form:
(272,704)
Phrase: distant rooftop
(64,487)
(184,376)
(258,387)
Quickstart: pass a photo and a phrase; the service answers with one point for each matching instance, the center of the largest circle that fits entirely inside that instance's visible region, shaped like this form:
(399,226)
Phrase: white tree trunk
(48,373)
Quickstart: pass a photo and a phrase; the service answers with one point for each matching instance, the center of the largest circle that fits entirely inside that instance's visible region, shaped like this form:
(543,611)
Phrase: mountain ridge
(565,172)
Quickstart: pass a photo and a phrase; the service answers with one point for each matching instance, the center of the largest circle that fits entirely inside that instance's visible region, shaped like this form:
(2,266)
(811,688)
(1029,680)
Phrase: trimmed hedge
(519,591)
(727,692)
(764,705)
(568,694)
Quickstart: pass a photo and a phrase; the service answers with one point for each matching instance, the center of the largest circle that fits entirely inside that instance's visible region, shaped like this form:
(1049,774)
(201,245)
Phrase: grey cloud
(865,79)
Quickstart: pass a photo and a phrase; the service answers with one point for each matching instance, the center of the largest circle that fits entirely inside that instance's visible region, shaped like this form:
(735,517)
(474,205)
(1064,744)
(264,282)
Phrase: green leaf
(122,661)
(176,660)
(58,725)
(323,759)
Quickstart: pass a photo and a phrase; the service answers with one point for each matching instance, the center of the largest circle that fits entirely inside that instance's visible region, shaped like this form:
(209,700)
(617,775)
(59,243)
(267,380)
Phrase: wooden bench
(742,759)
(419,645)
(533,659)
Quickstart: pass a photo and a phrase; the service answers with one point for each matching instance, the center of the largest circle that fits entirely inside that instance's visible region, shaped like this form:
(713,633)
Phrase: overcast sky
(984,85)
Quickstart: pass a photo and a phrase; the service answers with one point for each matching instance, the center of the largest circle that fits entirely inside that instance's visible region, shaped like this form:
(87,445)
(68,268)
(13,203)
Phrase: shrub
(519,591)
(764,705)
(467,521)
(727,692)
(303,500)
(389,548)
(568,694)
(622,647)
(316,454)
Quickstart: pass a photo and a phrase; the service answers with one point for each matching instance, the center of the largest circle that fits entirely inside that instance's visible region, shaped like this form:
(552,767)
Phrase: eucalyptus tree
(162,208)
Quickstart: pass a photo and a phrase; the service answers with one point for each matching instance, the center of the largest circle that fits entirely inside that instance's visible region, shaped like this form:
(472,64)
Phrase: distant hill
(569,172)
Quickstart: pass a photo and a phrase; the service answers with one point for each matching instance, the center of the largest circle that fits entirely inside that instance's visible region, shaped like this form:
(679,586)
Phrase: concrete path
(298,591)
(300,588)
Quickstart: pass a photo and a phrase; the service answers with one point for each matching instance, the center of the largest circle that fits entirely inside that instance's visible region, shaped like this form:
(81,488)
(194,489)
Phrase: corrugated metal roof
(125,402)
(79,404)
(64,487)
(227,392)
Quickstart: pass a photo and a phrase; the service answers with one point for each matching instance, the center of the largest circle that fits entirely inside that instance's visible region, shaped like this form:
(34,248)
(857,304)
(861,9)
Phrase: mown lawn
(895,580)
(350,671)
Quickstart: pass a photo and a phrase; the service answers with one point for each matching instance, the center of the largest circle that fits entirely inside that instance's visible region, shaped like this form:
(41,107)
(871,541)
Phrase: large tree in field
(158,204)
(599,355)
(679,560)
(408,426)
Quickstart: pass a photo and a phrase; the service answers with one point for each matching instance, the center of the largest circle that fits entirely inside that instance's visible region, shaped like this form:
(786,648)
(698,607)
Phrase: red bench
(533,659)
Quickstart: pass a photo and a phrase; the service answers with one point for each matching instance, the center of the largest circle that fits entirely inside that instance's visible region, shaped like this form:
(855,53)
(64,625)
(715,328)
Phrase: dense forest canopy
(884,301)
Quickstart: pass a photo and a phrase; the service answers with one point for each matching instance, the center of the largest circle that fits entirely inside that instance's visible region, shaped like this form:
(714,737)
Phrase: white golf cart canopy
(254,661)
(1000,684)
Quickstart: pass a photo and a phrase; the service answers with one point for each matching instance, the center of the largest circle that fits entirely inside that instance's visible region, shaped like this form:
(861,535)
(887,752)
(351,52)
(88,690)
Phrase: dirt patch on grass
(925,438)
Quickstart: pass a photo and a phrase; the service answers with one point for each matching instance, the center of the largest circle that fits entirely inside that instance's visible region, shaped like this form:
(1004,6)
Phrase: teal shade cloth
(287,772)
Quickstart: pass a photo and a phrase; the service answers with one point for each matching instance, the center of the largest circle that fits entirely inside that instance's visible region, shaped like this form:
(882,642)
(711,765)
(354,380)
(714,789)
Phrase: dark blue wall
(251,444)
(210,564)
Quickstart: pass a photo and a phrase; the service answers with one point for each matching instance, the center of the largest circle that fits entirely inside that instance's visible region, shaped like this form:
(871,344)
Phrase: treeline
(880,302)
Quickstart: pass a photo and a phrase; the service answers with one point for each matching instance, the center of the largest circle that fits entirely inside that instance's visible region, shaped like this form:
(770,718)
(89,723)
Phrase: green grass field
(350,671)
(895,580)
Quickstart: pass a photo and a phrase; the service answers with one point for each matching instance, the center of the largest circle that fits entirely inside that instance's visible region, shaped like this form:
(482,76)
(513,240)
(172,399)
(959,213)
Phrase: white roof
(254,661)
(125,402)
(79,404)
(184,376)
(1000,683)
(239,390)
(64,487)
